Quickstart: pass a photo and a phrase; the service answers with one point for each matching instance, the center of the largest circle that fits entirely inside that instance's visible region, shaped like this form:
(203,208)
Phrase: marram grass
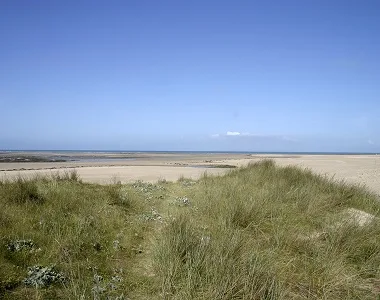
(259,232)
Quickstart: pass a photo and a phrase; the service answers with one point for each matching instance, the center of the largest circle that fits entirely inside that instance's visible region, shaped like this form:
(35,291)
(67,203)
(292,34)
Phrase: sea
(191,152)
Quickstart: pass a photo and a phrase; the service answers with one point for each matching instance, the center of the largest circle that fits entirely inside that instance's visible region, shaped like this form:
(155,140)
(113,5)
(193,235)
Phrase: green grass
(260,232)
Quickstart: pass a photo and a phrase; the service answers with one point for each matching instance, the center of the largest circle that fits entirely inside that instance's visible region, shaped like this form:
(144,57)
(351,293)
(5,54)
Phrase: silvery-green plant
(39,276)
(21,245)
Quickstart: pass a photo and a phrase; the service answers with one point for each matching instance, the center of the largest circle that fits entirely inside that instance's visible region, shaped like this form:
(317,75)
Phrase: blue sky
(190,75)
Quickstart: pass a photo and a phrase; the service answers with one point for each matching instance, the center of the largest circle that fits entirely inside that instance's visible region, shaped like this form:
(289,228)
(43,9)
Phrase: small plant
(98,289)
(67,175)
(106,289)
(153,215)
(39,276)
(147,187)
(21,245)
(186,182)
(181,201)
(181,178)
(114,194)
(118,195)
(74,176)
(116,245)
(162,181)
(115,180)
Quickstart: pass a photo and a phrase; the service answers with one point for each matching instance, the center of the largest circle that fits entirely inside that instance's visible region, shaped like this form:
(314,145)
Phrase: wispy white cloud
(233,133)
(371,142)
(248,134)
(288,138)
(253,135)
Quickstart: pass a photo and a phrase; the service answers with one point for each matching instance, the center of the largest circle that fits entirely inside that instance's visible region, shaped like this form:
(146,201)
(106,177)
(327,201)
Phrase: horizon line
(184,151)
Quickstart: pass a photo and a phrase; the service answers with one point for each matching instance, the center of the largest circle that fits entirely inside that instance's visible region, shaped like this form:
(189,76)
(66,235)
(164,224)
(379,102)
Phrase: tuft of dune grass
(272,233)
(83,230)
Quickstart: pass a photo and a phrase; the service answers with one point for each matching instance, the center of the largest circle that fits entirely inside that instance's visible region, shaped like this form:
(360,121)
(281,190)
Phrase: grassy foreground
(260,232)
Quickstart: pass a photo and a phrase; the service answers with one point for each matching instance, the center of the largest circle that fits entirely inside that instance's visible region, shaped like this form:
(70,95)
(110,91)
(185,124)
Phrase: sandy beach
(129,167)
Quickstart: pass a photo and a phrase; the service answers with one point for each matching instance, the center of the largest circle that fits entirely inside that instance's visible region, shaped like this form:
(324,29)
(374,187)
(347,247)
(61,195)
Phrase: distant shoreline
(189,152)
(95,157)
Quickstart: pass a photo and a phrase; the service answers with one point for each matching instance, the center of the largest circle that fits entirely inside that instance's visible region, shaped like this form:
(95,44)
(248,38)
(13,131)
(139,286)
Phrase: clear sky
(190,75)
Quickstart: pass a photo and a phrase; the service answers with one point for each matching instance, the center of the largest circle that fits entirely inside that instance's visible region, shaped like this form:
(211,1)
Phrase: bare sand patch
(357,217)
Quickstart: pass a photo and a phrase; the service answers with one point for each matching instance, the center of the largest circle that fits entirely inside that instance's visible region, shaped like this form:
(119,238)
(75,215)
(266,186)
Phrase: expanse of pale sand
(362,169)
(359,169)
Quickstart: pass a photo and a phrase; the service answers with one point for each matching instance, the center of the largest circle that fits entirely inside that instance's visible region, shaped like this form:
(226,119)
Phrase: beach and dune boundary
(104,167)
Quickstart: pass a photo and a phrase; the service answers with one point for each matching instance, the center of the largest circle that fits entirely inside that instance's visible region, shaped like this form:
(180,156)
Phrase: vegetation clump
(147,187)
(21,245)
(181,201)
(39,276)
(21,191)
